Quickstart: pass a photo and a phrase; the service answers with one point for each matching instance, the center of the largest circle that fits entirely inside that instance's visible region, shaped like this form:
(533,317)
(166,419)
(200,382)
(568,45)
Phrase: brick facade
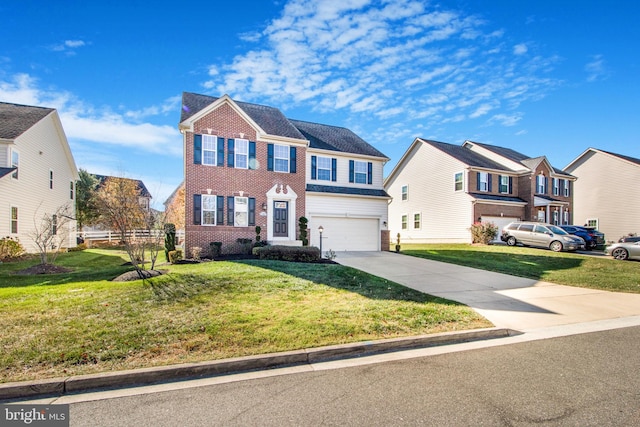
(226,122)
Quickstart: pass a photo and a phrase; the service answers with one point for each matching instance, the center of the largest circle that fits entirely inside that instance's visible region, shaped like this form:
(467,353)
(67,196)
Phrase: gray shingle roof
(494,197)
(466,156)
(16,119)
(315,188)
(335,138)
(272,121)
(529,162)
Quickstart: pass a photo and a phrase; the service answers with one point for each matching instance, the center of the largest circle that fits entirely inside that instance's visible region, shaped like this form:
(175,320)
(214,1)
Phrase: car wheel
(620,253)
(511,241)
(555,246)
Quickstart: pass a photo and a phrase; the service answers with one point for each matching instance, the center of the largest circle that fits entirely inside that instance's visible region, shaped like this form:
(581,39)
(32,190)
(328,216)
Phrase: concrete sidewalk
(507,301)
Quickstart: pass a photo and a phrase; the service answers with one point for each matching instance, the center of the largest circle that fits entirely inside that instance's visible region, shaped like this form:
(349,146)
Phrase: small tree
(483,232)
(302,225)
(169,239)
(86,208)
(51,231)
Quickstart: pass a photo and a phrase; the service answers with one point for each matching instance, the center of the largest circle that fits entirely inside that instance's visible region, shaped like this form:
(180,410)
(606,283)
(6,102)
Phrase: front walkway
(506,301)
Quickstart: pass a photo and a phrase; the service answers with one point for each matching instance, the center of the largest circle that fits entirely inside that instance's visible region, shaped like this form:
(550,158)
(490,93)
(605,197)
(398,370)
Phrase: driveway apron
(506,301)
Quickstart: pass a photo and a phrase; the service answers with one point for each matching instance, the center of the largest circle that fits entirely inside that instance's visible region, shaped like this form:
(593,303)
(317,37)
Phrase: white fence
(114,236)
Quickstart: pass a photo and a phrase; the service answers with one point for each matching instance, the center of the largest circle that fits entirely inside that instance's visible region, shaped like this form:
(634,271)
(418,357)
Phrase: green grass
(562,268)
(81,322)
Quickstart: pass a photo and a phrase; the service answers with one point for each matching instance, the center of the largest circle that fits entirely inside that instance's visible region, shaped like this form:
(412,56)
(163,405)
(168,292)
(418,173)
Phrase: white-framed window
(241,211)
(208,210)
(241,154)
(209,149)
(323,166)
(404,221)
(567,186)
(458,179)
(483,181)
(281,158)
(14,220)
(556,217)
(540,184)
(504,184)
(51,179)
(15,163)
(405,192)
(72,189)
(417,220)
(556,187)
(592,222)
(360,172)
(565,219)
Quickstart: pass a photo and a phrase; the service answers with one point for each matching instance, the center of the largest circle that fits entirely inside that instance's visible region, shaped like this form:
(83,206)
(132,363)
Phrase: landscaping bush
(245,245)
(10,248)
(288,253)
(79,247)
(175,256)
(483,232)
(215,249)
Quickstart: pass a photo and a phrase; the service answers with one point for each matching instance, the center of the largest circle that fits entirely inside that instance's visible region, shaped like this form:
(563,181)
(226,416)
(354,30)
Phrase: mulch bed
(44,269)
(133,275)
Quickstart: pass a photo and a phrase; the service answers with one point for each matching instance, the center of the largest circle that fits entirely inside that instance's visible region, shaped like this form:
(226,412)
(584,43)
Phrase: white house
(37,172)
(607,192)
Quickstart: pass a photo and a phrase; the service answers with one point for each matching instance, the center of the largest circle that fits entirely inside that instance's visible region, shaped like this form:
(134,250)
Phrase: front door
(280,219)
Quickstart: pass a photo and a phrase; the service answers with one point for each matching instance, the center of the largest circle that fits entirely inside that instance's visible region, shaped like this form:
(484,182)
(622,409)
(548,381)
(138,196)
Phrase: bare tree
(51,232)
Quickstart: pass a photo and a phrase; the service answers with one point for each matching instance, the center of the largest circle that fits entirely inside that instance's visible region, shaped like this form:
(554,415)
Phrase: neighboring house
(439,190)
(37,172)
(144,197)
(607,193)
(247,165)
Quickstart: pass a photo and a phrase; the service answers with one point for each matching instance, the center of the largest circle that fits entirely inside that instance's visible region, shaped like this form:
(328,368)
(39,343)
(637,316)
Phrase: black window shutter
(230,152)
(269,157)
(220,210)
(499,183)
(489,182)
(230,208)
(546,185)
(220,154)
(351,171)
(334,169)
(510,184)
(252,155)
(478,181)
(252,211)
(197,149)
(292,160)
(197,209)
(313,167)
(369,173)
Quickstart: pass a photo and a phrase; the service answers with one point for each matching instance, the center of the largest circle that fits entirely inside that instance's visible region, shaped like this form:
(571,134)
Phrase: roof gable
(16,119)
(467,156)
(592,151)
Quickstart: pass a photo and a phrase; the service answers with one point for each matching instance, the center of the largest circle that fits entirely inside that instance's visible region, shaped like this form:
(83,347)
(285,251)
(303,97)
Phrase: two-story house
(37,173)
(247,165)
(440,189)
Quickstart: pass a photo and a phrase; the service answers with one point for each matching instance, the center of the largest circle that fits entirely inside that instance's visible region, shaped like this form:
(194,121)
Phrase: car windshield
(557,230)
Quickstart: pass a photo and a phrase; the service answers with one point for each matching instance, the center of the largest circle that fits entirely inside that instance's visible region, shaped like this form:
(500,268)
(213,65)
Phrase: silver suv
(541,235)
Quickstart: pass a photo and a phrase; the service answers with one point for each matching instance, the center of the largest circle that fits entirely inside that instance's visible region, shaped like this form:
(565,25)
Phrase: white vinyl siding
(342,170)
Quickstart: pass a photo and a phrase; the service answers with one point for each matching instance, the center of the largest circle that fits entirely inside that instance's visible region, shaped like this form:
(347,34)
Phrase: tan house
(439,190)
(37,172)
(607,193)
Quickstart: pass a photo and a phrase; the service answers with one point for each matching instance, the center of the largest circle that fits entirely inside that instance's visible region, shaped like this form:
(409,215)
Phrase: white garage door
(346,234)
(500,221)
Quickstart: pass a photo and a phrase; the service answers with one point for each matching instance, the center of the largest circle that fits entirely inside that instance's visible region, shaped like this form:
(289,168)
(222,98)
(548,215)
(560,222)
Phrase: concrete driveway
(506,301)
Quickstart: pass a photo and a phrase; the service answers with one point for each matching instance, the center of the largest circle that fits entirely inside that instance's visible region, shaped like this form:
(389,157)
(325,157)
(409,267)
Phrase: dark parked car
(629,239)
(589,236)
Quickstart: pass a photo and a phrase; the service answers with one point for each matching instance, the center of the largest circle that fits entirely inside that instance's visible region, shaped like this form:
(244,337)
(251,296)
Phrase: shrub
(169,239)
(483,232)
(245,245)
(302,224)
(10,248)
(175,256)
(288,253)
(79,247)
(215,249)
(195,252)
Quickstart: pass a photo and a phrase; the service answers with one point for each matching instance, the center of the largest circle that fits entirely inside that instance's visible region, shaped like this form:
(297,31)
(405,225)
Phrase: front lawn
(81,322)
(562,268)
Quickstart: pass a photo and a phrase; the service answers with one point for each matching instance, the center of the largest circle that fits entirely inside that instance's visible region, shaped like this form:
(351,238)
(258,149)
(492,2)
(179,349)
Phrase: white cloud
(595,69)
(68,46)
(506,119)
(520,49)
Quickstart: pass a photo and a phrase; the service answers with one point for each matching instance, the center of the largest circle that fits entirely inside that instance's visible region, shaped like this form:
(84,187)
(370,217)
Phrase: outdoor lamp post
(320,230)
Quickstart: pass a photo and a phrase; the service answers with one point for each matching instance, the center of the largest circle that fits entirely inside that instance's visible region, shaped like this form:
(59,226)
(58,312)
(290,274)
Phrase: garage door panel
(346,234)
(500,222)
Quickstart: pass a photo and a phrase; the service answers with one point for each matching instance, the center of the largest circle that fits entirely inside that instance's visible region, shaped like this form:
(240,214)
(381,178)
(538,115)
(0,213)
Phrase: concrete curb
(146,376)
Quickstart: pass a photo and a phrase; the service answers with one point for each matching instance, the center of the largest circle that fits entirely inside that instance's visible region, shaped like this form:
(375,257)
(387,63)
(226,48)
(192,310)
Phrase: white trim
(404,215)
(15,174)
(214,210)
(413,221)
(455,181)
(11,207)
(235,153)
(213,139)
(51,179)
(404,195)
(280,192)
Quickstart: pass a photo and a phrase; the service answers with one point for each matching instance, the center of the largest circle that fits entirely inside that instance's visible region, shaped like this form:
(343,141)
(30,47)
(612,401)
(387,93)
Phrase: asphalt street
(588,379)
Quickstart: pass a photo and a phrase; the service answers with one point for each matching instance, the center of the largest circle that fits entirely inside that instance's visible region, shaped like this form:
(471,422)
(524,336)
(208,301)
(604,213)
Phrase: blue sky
(542,77)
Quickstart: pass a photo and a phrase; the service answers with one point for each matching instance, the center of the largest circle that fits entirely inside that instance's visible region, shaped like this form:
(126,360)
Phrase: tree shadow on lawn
(85,267)
(351,280)
(513,263)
